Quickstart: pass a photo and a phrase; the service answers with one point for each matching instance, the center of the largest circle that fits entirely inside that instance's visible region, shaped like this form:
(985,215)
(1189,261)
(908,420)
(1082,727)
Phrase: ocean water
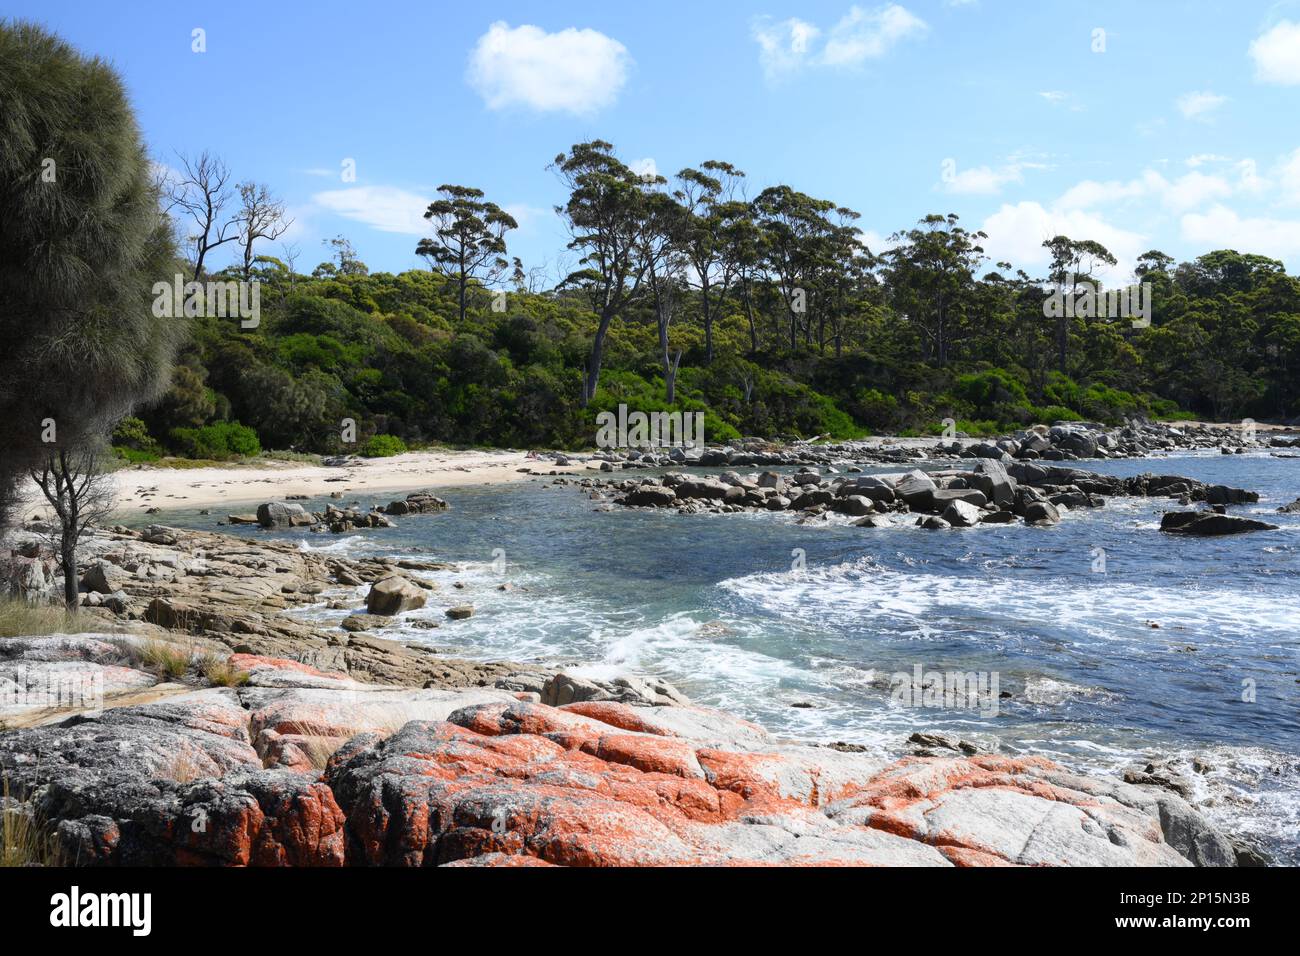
(1111,642)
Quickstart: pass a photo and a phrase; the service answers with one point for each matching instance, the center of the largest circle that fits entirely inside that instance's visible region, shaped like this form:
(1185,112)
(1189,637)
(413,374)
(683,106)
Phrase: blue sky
(1174,128)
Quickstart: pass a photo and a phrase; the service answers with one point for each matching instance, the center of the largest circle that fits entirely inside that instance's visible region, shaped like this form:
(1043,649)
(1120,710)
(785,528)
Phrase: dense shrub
(219,441)
(383,446)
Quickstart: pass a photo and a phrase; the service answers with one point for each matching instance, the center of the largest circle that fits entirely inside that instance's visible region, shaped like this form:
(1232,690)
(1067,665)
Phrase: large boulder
(707,488)
(962,514)
(104,578)
(945,496)
(917,489)
(991,478)
(1042,513)
(653,496)
(282,514)
(420,502)
(393,595)
(869,486)
(1207,523)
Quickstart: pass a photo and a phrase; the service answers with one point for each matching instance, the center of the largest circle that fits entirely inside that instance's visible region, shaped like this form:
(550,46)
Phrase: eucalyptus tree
(703,193)
(795,228)
(665,251)
(741,246)
(1074,262)
(469,240)
(606,217)
(930,276)
(83,240)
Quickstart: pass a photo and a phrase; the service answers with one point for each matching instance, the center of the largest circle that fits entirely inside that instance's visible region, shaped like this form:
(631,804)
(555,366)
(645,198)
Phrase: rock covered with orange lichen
(310,768)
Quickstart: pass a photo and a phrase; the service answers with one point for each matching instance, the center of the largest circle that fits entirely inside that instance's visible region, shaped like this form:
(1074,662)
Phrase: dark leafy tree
(82,243)
(469,240)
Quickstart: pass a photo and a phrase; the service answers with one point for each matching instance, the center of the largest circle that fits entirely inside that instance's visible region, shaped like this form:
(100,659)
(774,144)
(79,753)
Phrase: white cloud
(877,242)
(1186,192)
(869,34)
(783,47)
(787,46)
(1055,96)
(573,71)
(1194,189)
(981,180)
(1016,234)
(1277,54)
(1223,228)
(385,208)
(1288,174)
(1200,105)
(527,216)
(1202,159)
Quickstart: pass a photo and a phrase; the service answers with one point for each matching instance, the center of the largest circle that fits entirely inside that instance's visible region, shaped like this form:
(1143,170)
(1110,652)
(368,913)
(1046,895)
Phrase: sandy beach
(140,487)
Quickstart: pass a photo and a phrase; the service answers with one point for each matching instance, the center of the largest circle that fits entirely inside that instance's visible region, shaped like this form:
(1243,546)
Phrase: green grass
(23,840)
(220,673)
(20,619)
(167,658)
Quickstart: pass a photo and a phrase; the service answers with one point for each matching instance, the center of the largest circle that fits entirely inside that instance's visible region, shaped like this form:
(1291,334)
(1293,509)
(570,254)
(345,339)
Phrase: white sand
(140,487)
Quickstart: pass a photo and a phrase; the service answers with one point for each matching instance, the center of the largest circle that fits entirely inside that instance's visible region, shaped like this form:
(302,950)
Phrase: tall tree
(200,196)
(741,246)
(605,213)
(930,274)
(469,240)
(794,226)
(261,216)
(82,242)
(1073,262)
(703,193)
(665,244)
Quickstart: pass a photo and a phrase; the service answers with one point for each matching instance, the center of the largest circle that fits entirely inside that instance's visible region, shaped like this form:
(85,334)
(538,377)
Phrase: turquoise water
(711,602)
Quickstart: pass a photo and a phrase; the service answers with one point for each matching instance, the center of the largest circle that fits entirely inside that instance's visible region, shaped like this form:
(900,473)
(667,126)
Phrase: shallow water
(711,602)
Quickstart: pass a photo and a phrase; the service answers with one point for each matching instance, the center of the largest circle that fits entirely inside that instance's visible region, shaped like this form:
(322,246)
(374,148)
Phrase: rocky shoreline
(990,493)
(218,729)
(1061,441)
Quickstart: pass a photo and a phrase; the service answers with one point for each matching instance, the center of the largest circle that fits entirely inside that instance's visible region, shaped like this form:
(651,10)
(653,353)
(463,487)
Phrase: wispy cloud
(788,46)
(386,208)
(1200,105)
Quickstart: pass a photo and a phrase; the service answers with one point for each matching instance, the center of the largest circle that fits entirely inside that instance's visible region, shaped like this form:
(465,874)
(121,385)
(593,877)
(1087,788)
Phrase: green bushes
(219,441)
(383,446)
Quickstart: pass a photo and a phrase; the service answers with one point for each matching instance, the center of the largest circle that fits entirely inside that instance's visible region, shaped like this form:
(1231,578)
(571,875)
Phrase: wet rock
(460,612)
(279,514)
(1042,514)
(961,514)
(364,622)
(1207,523)
(393,595)
(651,496)
(917,489)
